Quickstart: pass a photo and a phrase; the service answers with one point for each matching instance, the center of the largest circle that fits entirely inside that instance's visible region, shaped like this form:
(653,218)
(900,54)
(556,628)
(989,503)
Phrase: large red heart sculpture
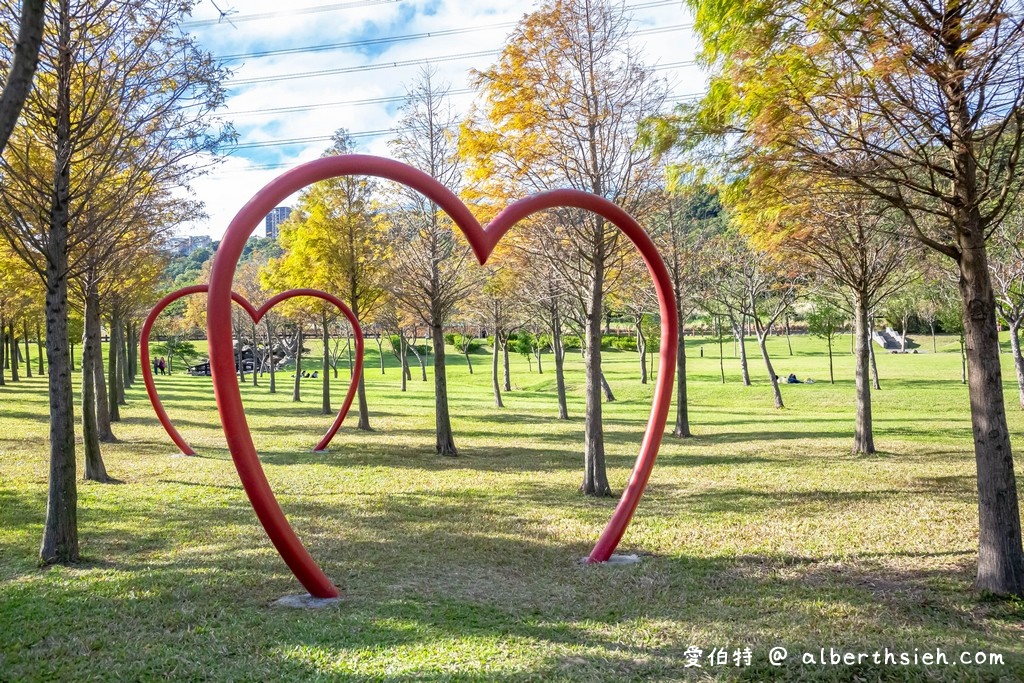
(482,241)
(256,314)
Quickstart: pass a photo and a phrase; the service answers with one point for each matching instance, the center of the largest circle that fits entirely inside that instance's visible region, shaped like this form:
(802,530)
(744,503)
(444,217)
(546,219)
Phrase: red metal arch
(256,315)
(482,241)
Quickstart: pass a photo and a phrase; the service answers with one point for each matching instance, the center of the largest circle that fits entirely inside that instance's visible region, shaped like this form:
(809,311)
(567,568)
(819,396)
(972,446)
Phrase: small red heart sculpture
(482,241)
(256,315)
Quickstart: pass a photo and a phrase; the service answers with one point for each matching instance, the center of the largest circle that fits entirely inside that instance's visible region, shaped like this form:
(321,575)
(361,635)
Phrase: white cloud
(251,105)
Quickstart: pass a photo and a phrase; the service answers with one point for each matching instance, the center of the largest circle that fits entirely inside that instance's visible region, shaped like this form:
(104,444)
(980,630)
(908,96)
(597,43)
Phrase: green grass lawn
(762,531)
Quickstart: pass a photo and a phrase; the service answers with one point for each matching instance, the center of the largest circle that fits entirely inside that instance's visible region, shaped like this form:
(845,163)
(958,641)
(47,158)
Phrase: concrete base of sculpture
(305,601)
(617,560)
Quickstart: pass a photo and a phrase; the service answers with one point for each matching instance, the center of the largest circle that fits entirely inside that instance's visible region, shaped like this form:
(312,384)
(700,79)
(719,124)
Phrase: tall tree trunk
(3,352)
(721,350)
(537,354)
(831,372)
(113,369)
(494,374)
(125,380)
(60,530)
(871,350)
(420,357)
(380,352)
(12,350)
(1000,552)
(789,342)
(325,406)
(296,393)
(91,359)
(348,351)
(466,343)
(103,409)
(443,426)
(963,361)
(739,330)
(272,358)
(403,360)
(39,348)
(762,343)
(863,433)
(28,349)
(682,428)
(239,360)
(256,357)
(364,411)
(334,364)
(19,358)
(595,476)
(1018,359)
(406,348)
(606,389)
(104,427)
(558,350)
(507,376)
(134,355)
(931,326)
(641,349)
(654,367)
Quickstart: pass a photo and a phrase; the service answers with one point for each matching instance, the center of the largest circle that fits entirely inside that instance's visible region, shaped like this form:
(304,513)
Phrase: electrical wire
(234,18)
(365,67)
(360,134)
(366,42)
(408,62)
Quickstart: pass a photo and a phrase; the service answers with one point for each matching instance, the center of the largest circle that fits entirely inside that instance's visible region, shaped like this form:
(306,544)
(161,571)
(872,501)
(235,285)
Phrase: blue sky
(322,103)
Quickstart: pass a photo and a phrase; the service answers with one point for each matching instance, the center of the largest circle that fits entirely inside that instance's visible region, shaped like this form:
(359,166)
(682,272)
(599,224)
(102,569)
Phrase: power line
(366,42)
(316,138)
(234,17)
(328,105)
(362,134)
(390,99)
(410,62)
(365,67)
(290,12)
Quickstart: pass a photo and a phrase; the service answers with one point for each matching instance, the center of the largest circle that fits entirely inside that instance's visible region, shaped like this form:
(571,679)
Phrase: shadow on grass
(424,571)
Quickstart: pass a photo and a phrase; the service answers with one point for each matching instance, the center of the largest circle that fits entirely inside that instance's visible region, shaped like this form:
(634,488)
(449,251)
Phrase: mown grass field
(762,531)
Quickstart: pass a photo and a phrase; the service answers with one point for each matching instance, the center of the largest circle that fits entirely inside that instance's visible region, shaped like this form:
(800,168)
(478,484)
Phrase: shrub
(457,341)
(619,342)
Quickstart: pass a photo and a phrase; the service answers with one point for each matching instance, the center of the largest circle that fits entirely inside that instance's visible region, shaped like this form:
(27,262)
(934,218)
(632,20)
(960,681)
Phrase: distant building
(183,246)
(274,220)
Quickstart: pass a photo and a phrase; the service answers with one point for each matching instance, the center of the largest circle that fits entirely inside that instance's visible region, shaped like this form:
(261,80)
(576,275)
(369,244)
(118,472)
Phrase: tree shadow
(427,568)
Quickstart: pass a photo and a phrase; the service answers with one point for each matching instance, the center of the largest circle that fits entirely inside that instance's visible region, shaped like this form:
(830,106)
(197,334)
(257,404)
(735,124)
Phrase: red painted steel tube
(256,315)
(482,241)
